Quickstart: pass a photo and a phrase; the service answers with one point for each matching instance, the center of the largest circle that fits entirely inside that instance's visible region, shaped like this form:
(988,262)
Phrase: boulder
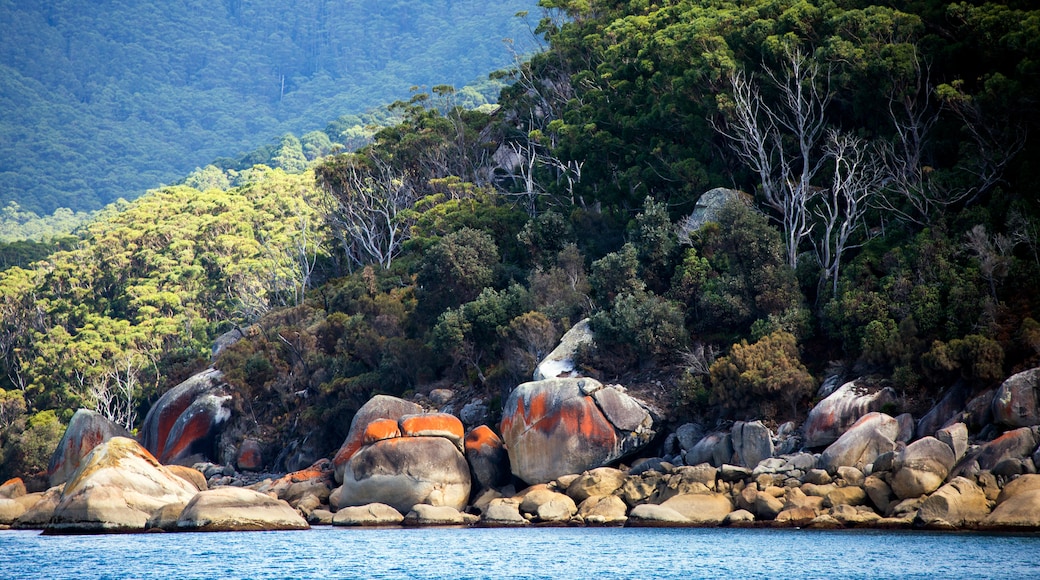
(688,435)
(949,407)
(86,431)
(373,514)
(443,425)
(39,515)
(797,516)
(872,435)
(475,412)
(921,467)
(378,407)
(249,456)
(906,427)
(504,512)
(596,482)
(603,510)
(851,495)
(714,448)
(851,516)
(117,488)
(560,362)
(182,426)
(12,488)
(879,492)
(13,508)
(306,488)
(487,457)
(752,443)
(405,471)
(708,206)
(380,429)
(191,475)
(1017,512)
(165,518)
(959,503)
(834,415)
(701,508)
(433,515)
(234,509)
(1018,485)
(653,515)
(561,426)
(978,412)
(1015,403)
(548,506)
(956,436)
(1015,444)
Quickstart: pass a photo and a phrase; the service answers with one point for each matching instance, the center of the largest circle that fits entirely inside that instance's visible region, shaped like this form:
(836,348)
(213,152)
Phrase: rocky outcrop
(960,503)
(37,516)
(921,468)
(1015,445)
(236,509)
(949,408)
(1016,401)
(752,443)
(714,448)
(562,426)
(834,415)
(182,426)
(249,456)
(708,206)
(116,489)
(560,362)
(373,514)
(378,407)
(86,431)
(872,435)
(487,457)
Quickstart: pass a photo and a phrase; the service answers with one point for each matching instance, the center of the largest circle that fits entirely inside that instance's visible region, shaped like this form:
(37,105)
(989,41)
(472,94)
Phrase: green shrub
(759,378)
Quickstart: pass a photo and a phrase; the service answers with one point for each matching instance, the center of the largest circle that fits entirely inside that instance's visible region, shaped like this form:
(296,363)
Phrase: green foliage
(762,379)
(973,357)
(456,269)
(615,274)
(639,328)
(34,447)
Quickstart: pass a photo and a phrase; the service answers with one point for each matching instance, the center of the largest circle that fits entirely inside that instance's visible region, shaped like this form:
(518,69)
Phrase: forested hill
(103,100)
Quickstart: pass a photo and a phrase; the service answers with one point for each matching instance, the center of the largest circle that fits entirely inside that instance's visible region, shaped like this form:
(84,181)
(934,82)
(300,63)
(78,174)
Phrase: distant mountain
(103,100)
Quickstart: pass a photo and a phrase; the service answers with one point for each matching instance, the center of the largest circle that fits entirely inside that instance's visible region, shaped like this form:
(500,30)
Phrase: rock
(960,503)
(752,443)
(817,476)
(596,482)
(165,518)
(949,407)
(833,416)
(441,396)
(86,431)
(738,518)
(1017,512)
(12,488)
(906,427)
(306,488)
(879,492)
(732,473)
(796,516)
(1015,403)
(378,407)
(652,515)
(433,515)
(978,413)
(714,448)
(474,413)
(1015,444)
(688,435)
(117,488)
(872,435)
(405,471)
(825,522)
(796,498)
(921,468)
(249,457)
(40,513)
(851,516)
(850,475)
(708,206)
(766,507)
(222,342)
(192,476)
(956,437)
(373,514)
(487,457)
(603,510)
(433,425)
(852,496)
(380,429)
(555,427)
(234,509)
(700,508)
(13,508)
(320,517)
(548,506)
(560,362)
(504,512)
(1014,466)
(1018,485)
(182,426)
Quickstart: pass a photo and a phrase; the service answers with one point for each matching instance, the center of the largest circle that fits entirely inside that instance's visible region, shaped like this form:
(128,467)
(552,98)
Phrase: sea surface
(572,553)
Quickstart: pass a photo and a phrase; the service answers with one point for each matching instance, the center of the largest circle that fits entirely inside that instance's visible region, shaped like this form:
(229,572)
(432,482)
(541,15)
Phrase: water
(522,553)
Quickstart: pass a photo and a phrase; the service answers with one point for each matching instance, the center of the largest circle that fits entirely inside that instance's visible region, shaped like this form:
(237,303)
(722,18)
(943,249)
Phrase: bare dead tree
(859,174)
(992,253)
(781,142)
(113,390)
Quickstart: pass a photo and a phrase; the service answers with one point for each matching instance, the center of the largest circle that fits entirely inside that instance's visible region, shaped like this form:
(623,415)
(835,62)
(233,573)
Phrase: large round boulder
(752,443)
(564,426)
(872,435)
(86,431)
(1017,512)
(959,503)
(1015,444)
(921,467)
(487,457)
(378,407)
(841,409)
(237,509)
(182,426)
(1016,401)
(404,471)
(116,489)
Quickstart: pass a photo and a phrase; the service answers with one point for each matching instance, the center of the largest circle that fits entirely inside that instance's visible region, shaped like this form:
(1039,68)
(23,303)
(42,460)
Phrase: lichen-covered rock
(378,407)
(12,488)
(86,431)
(921,467)
(405,471)
(233,509)
(310,486)
(834,415)
(752,443)
(380,429)
(1016,401)
(373,514)
(443,425)
(561,426)
(1015,444)
(872,435)
(118,486)
(560,362)
(959,503)
(487,457)
(182,426)
(249,456)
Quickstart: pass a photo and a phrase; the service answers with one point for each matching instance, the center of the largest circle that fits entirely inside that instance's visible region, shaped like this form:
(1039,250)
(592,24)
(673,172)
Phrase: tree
(754,378)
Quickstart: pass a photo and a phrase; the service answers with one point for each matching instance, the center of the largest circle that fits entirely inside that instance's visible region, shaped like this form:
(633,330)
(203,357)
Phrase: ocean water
(576,553)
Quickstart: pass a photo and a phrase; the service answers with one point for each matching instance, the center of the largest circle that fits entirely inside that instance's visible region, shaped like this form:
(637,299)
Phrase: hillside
(104,100)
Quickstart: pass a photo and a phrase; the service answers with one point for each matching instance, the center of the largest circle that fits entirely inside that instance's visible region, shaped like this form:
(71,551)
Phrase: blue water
(573,553)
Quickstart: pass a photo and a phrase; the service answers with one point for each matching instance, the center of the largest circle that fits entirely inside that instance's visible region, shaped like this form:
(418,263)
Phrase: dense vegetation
(889,229)
(103,100)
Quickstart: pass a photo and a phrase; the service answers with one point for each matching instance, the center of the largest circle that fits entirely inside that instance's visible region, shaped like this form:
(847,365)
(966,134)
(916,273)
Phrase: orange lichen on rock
(195,428)
(481,437)
(380,429)
(433,425)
